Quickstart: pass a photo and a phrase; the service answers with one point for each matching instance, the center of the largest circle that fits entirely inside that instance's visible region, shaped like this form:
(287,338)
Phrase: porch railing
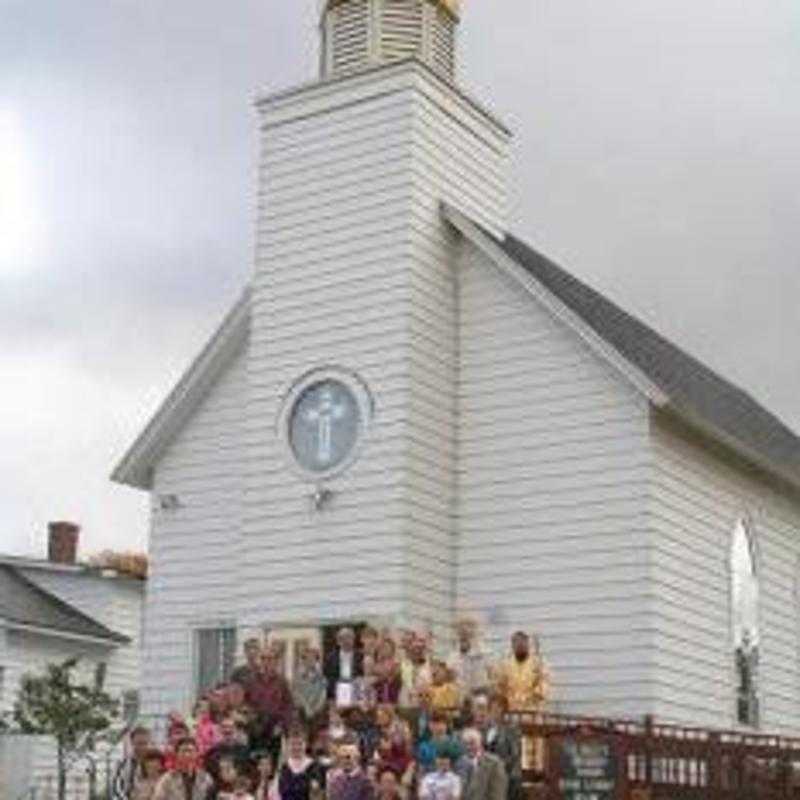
(627,760)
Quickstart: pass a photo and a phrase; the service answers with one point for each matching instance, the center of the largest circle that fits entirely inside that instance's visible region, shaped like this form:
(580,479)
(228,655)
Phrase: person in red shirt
(186,780)
(270,697)
(178,730)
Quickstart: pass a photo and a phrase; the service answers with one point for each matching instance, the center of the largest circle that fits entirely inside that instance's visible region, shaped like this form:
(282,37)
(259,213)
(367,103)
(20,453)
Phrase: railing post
(714,767)
(785,769)
(649,724)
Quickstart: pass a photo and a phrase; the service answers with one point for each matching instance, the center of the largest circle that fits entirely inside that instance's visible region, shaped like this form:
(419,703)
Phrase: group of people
(382,717)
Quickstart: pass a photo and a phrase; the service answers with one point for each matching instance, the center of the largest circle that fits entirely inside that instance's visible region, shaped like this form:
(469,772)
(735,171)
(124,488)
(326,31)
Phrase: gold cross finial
(453,6)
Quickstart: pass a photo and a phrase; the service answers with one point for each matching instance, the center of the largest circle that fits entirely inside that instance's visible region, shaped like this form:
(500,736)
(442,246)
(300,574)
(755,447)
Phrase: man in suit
(248,672)
(483,776)
(131,768)
(500,737)
(345,664)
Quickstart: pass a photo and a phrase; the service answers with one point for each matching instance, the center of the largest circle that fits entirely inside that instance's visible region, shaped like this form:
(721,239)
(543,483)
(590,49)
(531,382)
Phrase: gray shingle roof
(691,386)
(22,602)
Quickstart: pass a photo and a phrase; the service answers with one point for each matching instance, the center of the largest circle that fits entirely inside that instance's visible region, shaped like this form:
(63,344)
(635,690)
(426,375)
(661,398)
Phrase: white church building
(410,412)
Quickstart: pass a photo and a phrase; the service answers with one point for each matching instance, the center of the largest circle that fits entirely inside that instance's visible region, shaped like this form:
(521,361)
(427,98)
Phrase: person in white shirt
(469,661)
(443,783)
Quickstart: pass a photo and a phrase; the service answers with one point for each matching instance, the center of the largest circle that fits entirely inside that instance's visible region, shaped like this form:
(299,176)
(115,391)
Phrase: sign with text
(588,770)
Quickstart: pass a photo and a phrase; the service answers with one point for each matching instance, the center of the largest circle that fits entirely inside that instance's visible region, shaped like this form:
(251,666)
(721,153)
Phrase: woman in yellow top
(445,694)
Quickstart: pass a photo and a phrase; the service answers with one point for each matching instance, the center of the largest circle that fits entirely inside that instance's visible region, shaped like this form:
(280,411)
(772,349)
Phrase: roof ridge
(694,389)
(633,318)
(101,630)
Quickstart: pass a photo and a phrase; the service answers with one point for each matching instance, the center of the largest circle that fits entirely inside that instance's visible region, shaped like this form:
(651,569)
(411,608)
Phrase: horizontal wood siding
(698,495)
(30,653)
(117,603)
(195,549)
(354,270)
(329,290)
(463,161)
(552,468)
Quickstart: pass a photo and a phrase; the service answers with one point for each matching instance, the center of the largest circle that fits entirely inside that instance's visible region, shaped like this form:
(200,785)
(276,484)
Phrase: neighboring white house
(55,609)
(410,412)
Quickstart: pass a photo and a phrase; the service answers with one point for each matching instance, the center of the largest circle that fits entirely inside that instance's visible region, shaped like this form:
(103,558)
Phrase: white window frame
(196,631)
(745,520)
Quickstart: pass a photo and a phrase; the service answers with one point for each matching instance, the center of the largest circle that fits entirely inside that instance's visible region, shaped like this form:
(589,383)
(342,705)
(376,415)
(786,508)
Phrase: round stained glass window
(324,425)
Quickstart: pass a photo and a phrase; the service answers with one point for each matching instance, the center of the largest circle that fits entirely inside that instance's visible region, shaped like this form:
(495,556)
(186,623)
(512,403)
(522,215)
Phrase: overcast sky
(657,156)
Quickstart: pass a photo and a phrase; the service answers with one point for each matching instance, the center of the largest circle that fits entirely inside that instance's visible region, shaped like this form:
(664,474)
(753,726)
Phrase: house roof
(689,388)
(23,604)
(80,570)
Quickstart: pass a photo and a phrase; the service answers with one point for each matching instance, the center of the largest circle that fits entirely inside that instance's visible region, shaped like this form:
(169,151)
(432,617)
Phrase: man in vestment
(522,678)
(523,683)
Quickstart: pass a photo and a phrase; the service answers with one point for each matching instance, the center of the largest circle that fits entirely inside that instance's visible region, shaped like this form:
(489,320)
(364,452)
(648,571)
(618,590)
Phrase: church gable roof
(687,386)
(669,377)
(25,605)
(136,466)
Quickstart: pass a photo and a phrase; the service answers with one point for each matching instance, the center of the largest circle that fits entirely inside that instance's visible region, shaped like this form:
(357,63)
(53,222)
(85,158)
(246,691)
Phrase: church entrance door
(289,643)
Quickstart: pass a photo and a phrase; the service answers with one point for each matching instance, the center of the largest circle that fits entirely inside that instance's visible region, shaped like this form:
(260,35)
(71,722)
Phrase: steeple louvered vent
(401,29)
(350,35)
(443,45)
(362,33)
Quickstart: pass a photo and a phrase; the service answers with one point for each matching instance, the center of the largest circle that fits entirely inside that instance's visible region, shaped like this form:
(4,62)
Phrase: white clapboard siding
(194,549)
(698,495)
(117,603)
(30,761)
(17,765)
(553,470)
(458,162)
(355,269)
(30,653)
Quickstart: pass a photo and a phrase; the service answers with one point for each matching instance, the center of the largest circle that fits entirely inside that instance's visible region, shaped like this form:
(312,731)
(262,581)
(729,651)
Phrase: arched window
(745,623)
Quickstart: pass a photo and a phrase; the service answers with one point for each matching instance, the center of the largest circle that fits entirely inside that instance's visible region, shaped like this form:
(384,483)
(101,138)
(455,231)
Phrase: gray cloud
(657,155)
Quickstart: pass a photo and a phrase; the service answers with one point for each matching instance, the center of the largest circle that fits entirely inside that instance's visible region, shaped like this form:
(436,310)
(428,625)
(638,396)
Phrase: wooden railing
(604,759)
(594,758)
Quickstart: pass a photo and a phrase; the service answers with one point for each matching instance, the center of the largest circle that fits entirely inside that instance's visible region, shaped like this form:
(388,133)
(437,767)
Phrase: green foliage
(57,704)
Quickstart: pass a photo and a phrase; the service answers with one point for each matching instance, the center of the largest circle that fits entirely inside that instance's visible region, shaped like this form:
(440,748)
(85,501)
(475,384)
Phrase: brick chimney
(62,543)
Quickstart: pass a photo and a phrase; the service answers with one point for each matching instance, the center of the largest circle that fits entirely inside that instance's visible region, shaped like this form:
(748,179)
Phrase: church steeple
(363,33)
